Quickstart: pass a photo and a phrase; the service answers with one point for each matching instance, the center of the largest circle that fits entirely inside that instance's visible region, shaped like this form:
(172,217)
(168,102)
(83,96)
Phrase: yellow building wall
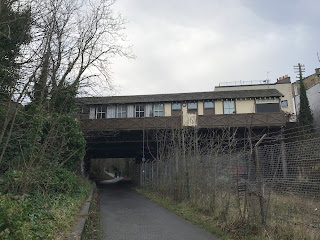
(167,109)
(284,88)
(245,106)
(218,107)
(200,108)
(184,108)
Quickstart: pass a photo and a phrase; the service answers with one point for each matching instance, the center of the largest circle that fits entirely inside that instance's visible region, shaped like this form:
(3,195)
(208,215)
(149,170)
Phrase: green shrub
(41,216)
(14,211)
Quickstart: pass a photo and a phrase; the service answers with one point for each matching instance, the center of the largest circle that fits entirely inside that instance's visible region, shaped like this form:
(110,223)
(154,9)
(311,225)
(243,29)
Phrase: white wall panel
(130,113)
(92,114)
(111,111)
(149,110)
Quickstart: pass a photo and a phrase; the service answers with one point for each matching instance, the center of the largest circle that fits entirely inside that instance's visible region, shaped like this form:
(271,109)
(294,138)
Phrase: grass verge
(234,228)
(187,212)
(92,229)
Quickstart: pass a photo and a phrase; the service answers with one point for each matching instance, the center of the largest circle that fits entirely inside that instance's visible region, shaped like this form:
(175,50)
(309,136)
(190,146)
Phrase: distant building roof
(309,82)
(282,80)
(179,97)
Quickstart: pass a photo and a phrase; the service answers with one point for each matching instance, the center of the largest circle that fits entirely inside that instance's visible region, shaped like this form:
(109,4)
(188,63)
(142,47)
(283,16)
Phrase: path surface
(127,215)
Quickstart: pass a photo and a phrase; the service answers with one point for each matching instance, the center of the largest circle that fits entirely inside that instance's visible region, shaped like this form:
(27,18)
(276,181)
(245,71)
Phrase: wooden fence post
(259,183)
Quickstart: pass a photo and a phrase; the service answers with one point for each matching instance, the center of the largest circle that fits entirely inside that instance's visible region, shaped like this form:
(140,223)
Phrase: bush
(39,216)
(14,211)
(44,152)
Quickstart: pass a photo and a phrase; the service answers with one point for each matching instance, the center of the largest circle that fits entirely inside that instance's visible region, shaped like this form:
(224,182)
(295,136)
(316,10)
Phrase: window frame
(120,112)
(267,106)
(229,108)
(204,104)
(100,110)
(176,109)
(138,112)
(156,112)
(284,101)
(193,108)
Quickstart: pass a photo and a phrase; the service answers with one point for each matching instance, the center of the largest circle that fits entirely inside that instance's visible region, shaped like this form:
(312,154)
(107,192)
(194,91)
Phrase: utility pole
(299,69)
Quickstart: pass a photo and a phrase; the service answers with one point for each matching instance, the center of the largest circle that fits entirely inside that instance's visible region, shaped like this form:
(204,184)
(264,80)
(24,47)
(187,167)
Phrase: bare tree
(72,44)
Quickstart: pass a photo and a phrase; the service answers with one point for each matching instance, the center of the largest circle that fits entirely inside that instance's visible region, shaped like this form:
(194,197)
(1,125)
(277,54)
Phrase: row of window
(157,110)
(154,110)
(229,106)
(193,105)
(121,111)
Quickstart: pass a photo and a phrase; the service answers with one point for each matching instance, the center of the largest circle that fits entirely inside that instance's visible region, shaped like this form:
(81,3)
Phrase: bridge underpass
(121,144)
(142,144)
(125,214)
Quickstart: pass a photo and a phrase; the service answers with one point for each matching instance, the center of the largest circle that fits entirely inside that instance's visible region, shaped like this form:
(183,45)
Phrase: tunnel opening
(102,169)
(111,152)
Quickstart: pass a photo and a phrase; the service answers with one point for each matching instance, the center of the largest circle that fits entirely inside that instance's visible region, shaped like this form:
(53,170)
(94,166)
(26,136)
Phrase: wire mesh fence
(275,184)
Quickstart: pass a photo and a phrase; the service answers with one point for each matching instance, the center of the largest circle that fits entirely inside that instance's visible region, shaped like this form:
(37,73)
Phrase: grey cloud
(186,46)
(290,12)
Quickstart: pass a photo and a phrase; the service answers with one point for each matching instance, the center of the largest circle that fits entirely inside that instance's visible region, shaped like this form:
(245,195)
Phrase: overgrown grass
(294,217)
(280,226)
(41,216)
(93,228)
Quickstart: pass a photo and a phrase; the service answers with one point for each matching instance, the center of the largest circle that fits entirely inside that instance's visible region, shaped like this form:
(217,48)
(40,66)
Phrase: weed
(93,229)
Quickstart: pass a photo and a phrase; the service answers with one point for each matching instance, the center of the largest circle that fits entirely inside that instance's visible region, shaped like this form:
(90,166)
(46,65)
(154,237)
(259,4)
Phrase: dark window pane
(268,107)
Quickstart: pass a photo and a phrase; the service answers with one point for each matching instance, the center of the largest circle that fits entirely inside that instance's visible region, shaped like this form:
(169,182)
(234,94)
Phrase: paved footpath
(127,215)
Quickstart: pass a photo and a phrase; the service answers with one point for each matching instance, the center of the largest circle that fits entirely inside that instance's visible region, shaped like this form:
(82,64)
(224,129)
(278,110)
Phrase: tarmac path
(127,215)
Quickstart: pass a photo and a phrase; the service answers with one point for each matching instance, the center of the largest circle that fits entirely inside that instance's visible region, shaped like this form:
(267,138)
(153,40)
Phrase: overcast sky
(189,46)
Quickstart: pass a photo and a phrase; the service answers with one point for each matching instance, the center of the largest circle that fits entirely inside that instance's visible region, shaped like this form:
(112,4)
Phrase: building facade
(283,85)
(240,108)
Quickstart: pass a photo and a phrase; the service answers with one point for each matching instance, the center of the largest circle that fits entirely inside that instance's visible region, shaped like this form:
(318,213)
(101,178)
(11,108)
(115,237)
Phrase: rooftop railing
(244,83)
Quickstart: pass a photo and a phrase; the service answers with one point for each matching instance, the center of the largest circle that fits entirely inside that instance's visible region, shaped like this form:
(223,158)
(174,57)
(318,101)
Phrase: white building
(312,85)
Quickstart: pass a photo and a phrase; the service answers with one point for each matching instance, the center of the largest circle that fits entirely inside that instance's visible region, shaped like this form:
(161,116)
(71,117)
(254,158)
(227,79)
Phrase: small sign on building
(189,120)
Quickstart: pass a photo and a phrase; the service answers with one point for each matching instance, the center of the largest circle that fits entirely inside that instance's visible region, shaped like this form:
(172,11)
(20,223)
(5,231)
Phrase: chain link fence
(270,183)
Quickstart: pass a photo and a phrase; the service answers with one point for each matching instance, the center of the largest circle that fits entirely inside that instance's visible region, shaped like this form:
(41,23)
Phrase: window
(208,108)
(176,106)
(284,103)
(101,112)
(158,110)
(122,111)
(228,107)
(140,111)
(296,90)
(192,106)
(268,107)
(208,104)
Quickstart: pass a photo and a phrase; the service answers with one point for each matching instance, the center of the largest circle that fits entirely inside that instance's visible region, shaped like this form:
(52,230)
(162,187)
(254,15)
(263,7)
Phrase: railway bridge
(127,126)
